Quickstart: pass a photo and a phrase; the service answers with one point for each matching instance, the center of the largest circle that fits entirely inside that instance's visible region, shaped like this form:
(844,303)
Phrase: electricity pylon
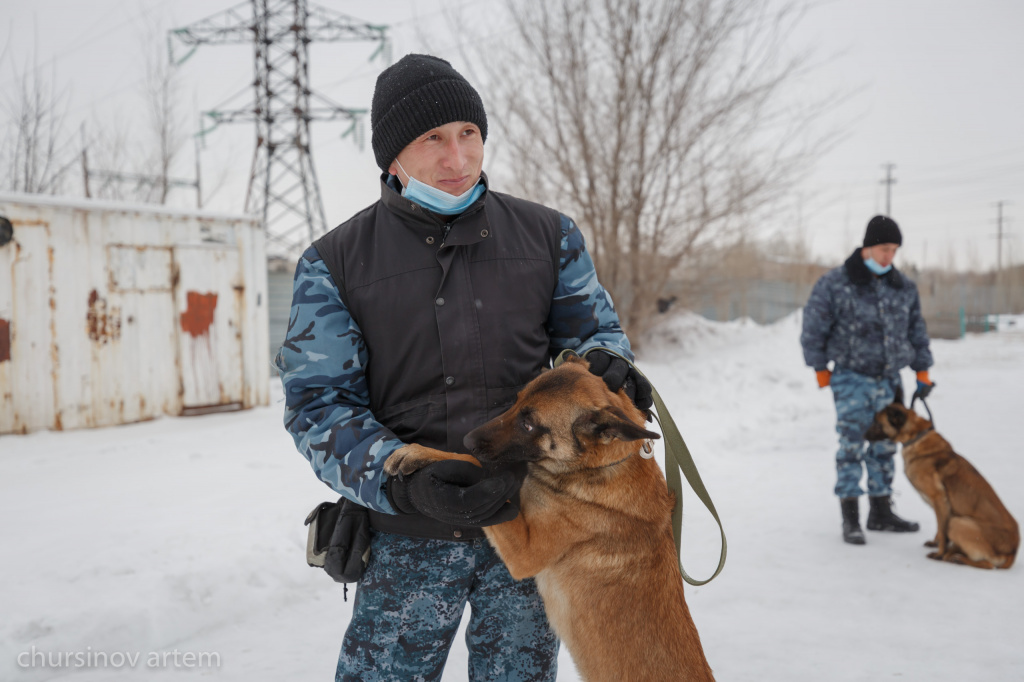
(283,187)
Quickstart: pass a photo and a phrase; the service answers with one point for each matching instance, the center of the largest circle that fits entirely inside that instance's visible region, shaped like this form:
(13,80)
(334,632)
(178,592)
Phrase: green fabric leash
(677,458)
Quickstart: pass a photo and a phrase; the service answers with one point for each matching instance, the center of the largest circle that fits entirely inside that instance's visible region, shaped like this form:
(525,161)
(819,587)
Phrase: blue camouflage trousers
(858,398)
(409,604)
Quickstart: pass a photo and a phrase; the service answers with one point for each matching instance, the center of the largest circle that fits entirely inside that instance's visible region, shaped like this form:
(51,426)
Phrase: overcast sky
(937,89)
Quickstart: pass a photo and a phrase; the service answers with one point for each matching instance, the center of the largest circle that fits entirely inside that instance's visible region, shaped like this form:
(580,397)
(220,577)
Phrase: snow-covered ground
(178,544)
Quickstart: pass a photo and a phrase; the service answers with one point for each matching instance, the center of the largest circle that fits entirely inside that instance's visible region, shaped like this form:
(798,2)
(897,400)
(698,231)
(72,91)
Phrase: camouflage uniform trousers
(858,398)
(409,604)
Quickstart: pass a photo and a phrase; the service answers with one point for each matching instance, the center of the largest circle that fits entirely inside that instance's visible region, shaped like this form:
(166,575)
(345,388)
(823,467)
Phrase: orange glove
(824,378)
(924,386)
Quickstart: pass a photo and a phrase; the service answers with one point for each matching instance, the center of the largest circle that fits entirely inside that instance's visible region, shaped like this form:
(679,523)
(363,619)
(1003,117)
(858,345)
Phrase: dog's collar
(647,449)
(919,436)
(611,464)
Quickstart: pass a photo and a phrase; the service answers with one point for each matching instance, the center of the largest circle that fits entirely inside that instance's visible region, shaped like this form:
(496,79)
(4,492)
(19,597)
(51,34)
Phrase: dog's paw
(397,462)
(930,543)
(406,460)
(935,555)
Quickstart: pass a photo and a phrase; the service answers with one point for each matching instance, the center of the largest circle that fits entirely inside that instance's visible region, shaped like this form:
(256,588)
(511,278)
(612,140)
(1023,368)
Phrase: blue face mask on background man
(437,200)
(874,267)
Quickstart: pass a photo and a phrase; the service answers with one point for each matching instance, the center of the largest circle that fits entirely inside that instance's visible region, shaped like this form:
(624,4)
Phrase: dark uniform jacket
(865,323)
(408,327)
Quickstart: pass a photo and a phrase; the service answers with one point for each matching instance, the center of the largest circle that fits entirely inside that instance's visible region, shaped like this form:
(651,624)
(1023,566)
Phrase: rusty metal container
(113,313)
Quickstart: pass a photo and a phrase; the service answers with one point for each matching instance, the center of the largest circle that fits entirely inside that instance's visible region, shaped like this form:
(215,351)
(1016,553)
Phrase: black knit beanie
(882,230)
(414,95)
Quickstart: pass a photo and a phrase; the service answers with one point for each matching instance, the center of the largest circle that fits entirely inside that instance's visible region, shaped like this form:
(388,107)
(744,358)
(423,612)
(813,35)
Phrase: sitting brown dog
(594,527)
(974,527)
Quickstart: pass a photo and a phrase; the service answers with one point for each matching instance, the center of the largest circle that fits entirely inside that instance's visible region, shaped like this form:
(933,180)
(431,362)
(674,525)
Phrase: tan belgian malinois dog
(974,527)
(594,527)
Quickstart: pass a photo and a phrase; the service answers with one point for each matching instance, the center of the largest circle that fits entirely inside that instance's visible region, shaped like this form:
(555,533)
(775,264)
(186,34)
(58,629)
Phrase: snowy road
(180,538)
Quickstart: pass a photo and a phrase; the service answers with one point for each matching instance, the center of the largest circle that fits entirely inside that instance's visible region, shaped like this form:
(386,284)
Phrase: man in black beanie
(865,318)
(413,322)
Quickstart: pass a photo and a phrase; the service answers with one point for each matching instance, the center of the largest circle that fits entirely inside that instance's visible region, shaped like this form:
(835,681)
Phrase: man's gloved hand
(617,373)
(924,386)
(824,377)
(459,493)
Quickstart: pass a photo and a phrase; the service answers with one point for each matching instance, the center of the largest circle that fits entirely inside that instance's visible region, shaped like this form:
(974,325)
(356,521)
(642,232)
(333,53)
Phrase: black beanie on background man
(882,230)
(414,95)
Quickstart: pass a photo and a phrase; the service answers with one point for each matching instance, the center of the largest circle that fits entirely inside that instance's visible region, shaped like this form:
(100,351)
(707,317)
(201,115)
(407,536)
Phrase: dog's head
(565,420)
(896,423)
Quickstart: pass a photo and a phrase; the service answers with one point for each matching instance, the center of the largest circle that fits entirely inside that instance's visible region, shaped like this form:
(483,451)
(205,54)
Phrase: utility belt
(876,375)
(420,526)
(338,539)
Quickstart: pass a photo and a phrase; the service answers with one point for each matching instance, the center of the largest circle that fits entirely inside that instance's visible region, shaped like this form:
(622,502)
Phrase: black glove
(923,390)
(459,493)
(617,373)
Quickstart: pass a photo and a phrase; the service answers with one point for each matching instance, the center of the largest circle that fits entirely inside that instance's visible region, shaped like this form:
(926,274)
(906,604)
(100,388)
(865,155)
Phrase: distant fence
(952,303)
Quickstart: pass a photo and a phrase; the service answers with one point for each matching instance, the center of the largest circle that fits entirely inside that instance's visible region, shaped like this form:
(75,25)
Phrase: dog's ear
(608,424)
(897,417)
(573,359)
(898,398)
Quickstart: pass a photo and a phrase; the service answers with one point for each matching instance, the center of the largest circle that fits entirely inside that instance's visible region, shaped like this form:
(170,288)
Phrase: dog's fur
(974,527)
(594,528)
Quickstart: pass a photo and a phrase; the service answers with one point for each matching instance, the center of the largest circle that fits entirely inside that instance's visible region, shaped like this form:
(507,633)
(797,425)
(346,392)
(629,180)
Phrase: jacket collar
(468,227)
(861,276)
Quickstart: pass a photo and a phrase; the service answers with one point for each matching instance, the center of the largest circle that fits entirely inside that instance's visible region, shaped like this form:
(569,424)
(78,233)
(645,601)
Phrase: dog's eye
(527,426)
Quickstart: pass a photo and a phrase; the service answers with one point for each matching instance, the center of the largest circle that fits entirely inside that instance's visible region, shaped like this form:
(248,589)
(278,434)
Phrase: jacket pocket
(417,421)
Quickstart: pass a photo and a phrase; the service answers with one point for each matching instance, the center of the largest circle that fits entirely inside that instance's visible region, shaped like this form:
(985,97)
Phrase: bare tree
(163,95)
(659,125)
(125,163)
(105,147)
(35,152)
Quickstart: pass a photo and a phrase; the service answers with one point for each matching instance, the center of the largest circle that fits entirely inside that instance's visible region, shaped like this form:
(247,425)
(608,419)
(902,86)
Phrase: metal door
(208,300)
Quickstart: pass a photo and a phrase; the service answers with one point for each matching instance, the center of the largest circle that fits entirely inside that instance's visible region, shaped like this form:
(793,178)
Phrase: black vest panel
(453,315)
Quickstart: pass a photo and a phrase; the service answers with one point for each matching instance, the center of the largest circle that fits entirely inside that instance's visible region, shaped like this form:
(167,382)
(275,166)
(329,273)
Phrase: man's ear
(897,417)
(610,424)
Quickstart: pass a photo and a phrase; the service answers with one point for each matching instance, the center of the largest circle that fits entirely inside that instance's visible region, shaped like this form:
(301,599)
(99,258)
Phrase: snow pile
(183,537)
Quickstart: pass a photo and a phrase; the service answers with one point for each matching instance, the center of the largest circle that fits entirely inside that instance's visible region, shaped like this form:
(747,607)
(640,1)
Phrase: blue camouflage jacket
(867,324)
(325,358)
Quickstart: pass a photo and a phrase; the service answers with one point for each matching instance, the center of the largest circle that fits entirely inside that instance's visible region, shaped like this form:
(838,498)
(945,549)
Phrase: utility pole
(283,188)
(888,182)
(1000,236)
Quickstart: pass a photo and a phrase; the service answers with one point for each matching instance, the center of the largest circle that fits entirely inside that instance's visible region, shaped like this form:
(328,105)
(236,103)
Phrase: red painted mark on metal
(198,317)
(5,340)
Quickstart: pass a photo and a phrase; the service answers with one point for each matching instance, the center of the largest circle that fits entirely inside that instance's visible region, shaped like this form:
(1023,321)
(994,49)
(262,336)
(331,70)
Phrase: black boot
(881,517)
(851,521)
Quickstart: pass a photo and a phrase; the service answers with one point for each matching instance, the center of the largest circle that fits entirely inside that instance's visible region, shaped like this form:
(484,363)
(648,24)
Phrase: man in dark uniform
(415,321)
(865,318)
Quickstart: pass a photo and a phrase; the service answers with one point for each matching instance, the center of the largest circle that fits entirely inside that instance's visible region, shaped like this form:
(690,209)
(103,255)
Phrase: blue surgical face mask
(437,200)
(874,267)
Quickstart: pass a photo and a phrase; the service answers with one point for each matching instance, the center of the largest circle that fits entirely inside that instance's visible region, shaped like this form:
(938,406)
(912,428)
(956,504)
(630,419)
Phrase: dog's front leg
(521,548)
(412,457)
(943,513)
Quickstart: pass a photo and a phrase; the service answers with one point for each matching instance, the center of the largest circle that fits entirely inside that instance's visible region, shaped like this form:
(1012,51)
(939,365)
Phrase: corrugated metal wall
(117,313)
(279,296)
